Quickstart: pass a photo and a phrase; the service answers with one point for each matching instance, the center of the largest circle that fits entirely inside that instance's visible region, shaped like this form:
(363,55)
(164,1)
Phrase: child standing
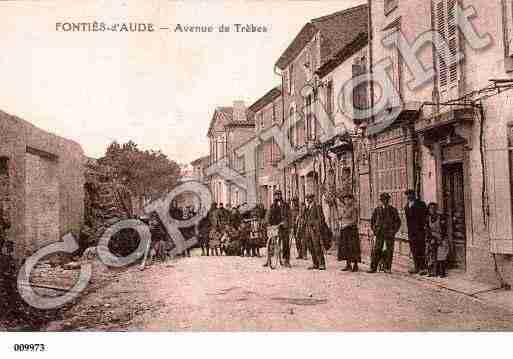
(215,240)
(437,248)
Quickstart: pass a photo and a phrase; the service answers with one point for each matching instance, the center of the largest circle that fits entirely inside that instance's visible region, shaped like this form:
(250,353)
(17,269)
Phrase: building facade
(318,42)
(230,127)
(452,140)
(267,112)
(449,139)
(199,168)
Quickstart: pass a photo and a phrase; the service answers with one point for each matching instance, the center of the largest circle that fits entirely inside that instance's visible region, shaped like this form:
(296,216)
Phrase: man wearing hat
(279,214)
(312,221)
(416,213)
(385,223)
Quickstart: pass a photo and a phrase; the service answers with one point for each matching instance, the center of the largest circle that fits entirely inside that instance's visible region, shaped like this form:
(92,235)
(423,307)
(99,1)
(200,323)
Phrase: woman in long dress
(349,239)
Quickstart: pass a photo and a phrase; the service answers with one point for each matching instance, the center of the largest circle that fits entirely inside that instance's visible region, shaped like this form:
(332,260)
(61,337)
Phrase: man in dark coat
(223,215)
(385,223)
(213,215)
(279,214)
(311,232)
(416,214)
(235,217)
(203,231)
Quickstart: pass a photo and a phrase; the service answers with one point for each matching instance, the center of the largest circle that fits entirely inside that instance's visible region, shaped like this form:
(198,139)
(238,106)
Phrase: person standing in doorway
(385,223)
(437,242)
(416,214)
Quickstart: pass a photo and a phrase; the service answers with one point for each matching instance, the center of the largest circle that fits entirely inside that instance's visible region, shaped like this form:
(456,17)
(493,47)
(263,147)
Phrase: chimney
(239,111)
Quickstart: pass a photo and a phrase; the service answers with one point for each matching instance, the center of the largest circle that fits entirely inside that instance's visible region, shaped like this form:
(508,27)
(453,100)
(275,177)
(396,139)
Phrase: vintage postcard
(255,166)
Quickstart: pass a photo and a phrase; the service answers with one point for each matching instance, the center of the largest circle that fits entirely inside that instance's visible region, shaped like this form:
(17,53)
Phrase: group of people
(223,231)
(308,227)
(427,237)
(428,241)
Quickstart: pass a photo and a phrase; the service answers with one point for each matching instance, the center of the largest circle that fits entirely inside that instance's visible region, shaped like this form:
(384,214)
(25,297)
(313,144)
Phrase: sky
(158,88)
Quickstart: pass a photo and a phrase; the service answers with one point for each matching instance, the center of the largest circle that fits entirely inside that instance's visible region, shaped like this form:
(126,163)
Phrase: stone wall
(37,162)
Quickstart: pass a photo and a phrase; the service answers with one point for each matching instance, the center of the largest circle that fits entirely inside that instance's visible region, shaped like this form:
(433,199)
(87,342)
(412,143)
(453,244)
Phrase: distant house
(199,167)
(267,112)
(229,128)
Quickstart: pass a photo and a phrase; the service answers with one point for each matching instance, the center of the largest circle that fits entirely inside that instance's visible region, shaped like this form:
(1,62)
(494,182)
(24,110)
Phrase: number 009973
(29,347)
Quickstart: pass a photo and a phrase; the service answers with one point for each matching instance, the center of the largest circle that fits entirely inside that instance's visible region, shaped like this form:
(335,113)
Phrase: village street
(234,293)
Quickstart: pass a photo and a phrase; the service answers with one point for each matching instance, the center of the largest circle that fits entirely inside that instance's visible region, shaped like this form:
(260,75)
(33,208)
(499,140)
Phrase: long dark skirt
(349,246)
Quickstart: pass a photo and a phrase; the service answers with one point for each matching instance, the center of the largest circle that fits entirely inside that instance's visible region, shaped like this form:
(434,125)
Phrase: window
(390,5)
(360,98)
(268,153)
(285,78)
(300,129)
(446,64)
(392,53)
(221,146)
(508,23)
(292,129)
(329,97)
(308,65)
(261,120)
(4,166)
(274,112)
(310,121)
(291,79)
(260,155)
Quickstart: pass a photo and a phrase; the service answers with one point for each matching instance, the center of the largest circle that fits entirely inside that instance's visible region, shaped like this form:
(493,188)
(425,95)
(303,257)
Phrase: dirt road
(233,293)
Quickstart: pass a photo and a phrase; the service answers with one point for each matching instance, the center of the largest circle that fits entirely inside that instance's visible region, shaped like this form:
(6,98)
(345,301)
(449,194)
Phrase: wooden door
(454,206)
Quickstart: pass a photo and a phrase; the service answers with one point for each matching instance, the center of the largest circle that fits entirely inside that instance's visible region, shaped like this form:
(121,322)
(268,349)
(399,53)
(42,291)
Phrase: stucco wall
(17,135)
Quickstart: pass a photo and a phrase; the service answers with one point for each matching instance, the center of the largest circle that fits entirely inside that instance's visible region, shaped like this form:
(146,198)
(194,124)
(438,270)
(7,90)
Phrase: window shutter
(440,27)
(269,153)
(508,26)
(276,152)
(329,98)
(291,79)
(453,40)
(448,70)
(499,172)
(499,188)
(392,52)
